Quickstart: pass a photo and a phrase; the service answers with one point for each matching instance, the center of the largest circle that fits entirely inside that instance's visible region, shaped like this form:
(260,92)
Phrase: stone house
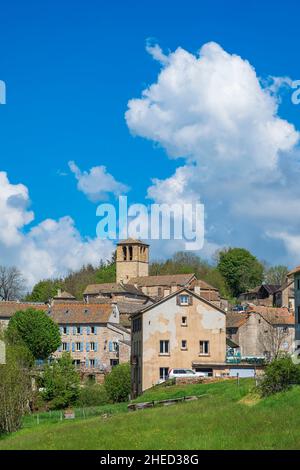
(295,276)
(262,332)
(285,296)
(181,330)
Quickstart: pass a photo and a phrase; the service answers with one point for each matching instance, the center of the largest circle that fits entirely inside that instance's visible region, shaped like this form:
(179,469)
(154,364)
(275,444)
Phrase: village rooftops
(81,313)
(64,296)
(294,271)
(272,315)
(8,308)
(112,288)
(162,280)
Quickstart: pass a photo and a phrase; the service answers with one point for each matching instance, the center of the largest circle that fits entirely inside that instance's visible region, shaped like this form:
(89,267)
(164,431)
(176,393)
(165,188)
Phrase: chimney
(197,290)
(166,292)
(173,288)
(58,292)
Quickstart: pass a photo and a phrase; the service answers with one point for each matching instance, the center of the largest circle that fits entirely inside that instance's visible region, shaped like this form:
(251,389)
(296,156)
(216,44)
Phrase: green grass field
(227,417)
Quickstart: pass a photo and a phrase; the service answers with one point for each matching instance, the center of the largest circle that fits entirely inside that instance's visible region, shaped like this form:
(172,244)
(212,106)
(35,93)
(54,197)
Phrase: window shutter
(81,330)
(68,330)
(110,348)
(73,347)
(68,347)
(190,300)
(74,330)
(95,330)
(96,347)
(178,300)
(81,347)
(88,330)
(87,347)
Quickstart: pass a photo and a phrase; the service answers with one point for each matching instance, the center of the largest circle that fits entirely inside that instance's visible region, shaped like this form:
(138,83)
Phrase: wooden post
(238,379)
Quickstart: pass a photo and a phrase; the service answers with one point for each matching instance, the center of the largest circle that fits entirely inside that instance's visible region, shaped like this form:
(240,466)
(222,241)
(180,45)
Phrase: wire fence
(56,416)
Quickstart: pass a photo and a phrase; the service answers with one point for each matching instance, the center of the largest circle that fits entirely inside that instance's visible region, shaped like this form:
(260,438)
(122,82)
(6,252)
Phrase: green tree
(240,269)
(61,383)
(118,383)
(15,387)
(36,330)
(44,290)
(276,274)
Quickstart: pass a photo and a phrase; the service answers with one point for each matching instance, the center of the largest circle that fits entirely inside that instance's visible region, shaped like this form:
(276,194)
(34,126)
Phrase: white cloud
(97,183)
(240,157)
(48,249)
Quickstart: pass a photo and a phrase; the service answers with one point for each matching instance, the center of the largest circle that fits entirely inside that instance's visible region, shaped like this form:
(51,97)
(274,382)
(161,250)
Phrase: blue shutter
(68,330)
(96,347)
(86,362)
(73,347)
(68,347)
(95,330)
(81,347)
(74,330)
(110,346)
(81,330)
(87,347)
(88,330)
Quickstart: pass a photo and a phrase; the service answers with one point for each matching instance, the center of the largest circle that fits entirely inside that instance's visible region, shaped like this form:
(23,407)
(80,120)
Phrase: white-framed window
(78,346)
(184,344)
(164,346)
(65,330)
(92,346)
(204,347)
(184,299)
(163,373)
(64,346)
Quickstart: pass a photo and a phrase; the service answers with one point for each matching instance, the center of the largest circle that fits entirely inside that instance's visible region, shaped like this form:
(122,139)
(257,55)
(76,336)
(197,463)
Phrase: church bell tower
(132,260)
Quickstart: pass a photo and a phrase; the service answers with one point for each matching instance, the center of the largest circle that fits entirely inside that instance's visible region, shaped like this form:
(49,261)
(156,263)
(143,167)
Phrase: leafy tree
(15,387)
(36,330)
(276,274)
(240,269)
(12,283)
(118,383)
(44,290)
(279,375)
(61,383)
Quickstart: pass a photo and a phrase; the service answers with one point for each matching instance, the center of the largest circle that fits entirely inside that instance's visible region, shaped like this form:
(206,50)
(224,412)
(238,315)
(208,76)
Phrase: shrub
(93,395)
(61,382)
(118,383)
(279,375)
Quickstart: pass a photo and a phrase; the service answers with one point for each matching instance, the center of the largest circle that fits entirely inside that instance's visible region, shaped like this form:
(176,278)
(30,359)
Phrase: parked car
(173,373)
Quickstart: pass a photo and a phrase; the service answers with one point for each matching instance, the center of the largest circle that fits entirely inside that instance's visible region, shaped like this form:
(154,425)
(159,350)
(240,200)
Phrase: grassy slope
(216,421)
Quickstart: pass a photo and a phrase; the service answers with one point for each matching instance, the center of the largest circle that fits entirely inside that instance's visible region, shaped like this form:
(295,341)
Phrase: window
(92,362)
(65,330)
(76,362)
(78,346)
(93,330)
(183,321)
(92,346)
(298,284)
(184,299)
(204,347)
(130,253)
(184,344)
(136,325)
(124,253)
(163,373)
(65,346)
(164,347)
(114,362)
(78,330)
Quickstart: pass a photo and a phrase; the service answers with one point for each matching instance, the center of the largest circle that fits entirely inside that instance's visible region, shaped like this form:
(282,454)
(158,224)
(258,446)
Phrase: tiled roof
(202,284)
(235,320)
(275,316)
(162,280)
(64,295)
(294,271)
(81,313)
(271,288)
(8,308)
(111,288)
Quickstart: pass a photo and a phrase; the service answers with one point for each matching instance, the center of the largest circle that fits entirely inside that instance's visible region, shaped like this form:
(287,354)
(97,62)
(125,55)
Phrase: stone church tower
(132,260)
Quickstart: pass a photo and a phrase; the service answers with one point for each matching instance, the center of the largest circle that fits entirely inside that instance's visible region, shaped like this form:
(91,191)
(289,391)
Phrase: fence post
(238,379)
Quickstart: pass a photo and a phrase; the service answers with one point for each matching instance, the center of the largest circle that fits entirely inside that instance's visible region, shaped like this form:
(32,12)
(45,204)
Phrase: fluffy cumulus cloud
(97,183)
(241,157)
(48,249)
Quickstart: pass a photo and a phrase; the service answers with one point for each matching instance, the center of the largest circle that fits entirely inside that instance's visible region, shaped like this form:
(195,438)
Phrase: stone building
(262,332)
(182,330)
(295,276)
(261,295)
(132,260)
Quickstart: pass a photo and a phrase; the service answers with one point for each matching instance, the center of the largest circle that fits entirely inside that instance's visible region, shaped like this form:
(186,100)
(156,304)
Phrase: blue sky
(70,69)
